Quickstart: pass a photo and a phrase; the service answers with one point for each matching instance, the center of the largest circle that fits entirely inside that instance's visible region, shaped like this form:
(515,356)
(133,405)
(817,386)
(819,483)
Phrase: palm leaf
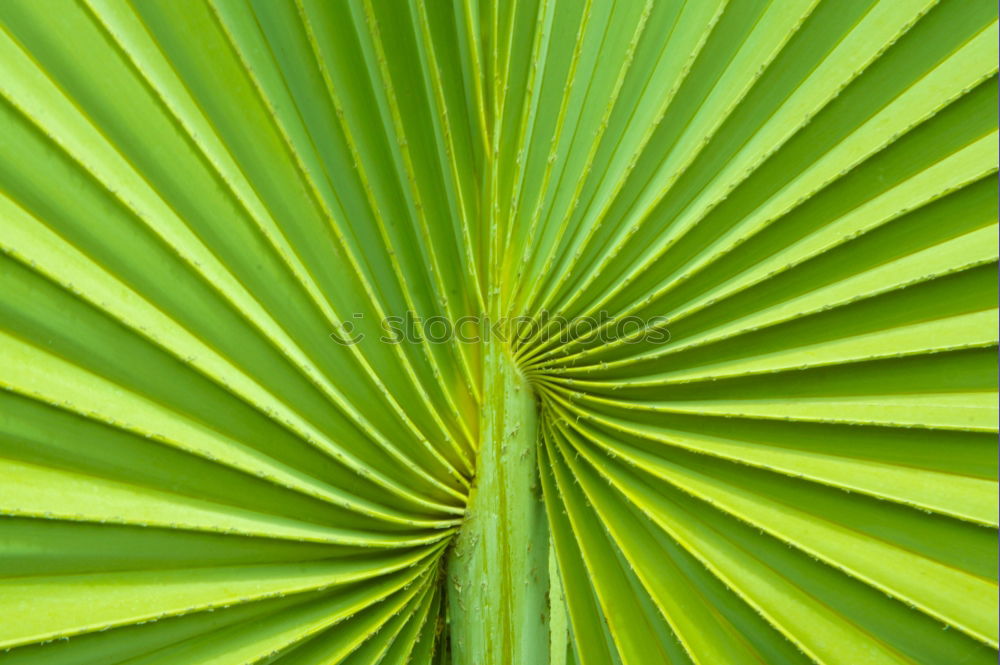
(773,442)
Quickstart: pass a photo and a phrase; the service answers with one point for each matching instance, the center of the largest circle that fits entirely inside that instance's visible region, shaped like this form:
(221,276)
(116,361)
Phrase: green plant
(748,416)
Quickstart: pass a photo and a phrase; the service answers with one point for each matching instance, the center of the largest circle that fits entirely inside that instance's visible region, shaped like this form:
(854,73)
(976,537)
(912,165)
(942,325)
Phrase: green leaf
(548,332)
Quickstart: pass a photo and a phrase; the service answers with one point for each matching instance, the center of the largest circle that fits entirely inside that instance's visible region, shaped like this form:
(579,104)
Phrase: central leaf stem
(498,578)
